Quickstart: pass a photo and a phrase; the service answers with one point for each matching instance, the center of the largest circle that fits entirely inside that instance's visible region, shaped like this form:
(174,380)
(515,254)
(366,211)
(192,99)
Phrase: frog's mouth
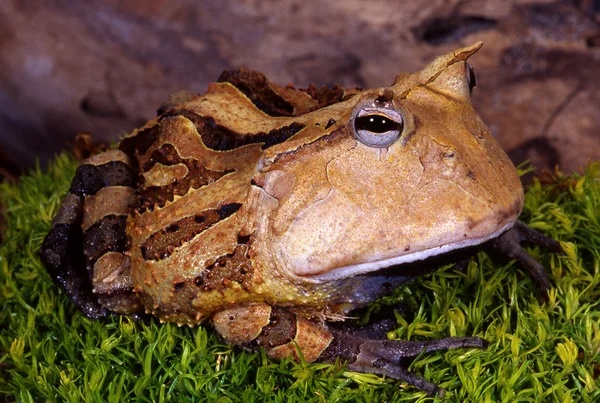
(363,268)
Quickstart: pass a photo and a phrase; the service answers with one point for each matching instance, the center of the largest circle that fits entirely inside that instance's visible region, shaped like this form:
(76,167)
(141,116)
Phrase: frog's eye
(378,127)
(471,78)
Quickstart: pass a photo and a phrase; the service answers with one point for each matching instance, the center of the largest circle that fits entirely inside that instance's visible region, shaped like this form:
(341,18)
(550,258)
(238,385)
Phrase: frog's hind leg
(84,250)
(283,333)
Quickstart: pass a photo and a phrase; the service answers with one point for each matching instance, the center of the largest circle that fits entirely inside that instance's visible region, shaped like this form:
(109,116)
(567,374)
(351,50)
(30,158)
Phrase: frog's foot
(509,245)
(383,357)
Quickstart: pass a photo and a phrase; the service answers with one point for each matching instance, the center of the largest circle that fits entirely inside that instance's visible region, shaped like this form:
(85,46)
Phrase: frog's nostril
(449,154)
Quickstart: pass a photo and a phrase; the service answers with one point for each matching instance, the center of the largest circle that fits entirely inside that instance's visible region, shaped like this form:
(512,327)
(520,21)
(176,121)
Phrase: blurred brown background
(103,67)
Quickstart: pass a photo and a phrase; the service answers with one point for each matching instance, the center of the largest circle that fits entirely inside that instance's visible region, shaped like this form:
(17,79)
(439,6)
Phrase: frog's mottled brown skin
(270,211)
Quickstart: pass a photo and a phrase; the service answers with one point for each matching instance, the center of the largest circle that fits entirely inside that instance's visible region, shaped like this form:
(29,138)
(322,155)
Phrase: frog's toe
(509,245)
(385,367)
(383,357)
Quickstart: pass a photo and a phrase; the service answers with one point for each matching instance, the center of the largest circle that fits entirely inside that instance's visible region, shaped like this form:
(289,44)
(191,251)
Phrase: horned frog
(271,211)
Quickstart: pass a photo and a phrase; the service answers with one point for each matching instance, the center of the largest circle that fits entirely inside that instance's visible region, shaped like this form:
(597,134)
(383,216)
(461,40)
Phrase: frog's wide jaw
(358,269)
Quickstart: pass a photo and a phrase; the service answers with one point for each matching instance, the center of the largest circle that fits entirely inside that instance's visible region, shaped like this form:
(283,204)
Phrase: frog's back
(160,218)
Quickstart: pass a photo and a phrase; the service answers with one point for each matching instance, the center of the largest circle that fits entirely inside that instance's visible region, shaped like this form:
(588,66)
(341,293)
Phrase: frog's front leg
(509,245)
(383,357)
(282,333)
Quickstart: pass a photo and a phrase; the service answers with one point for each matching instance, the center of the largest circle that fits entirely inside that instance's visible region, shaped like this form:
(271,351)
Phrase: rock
(103,67)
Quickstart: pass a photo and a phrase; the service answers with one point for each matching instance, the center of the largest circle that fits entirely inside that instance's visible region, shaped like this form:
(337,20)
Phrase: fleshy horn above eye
(377,127)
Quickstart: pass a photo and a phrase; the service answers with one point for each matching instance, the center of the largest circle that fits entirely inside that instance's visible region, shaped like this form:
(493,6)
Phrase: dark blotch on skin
(388,96)
(61,253)
(277,136)
(141,142)
(330,123)
(198,176)
(163,243)
(256,87)
(226,210)
(89,179)
(55,248)
(243,239)
(325,96)
(233,267)
(220,138)
(105,235)
(280,330)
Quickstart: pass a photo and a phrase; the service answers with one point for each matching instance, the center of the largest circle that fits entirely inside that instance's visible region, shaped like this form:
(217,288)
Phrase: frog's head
(409,171)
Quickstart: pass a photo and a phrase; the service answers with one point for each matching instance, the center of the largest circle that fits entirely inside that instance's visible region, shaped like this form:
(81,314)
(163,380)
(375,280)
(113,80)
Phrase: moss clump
(539,351)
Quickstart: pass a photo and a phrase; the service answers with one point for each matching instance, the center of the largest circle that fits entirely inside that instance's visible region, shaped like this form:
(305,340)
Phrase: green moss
(539,351)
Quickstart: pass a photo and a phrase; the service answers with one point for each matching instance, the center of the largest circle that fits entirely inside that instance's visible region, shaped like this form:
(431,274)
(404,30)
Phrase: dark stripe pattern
(141,142)
(105,235)
(325,96)
(330,123)
(163,243)
(233,267)
(61,254)
(89,179)
(256,87)
(280,330)
(220,138)
(157,196)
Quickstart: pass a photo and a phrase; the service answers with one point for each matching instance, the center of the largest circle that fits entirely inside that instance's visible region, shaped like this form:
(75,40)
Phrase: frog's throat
(356,269)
